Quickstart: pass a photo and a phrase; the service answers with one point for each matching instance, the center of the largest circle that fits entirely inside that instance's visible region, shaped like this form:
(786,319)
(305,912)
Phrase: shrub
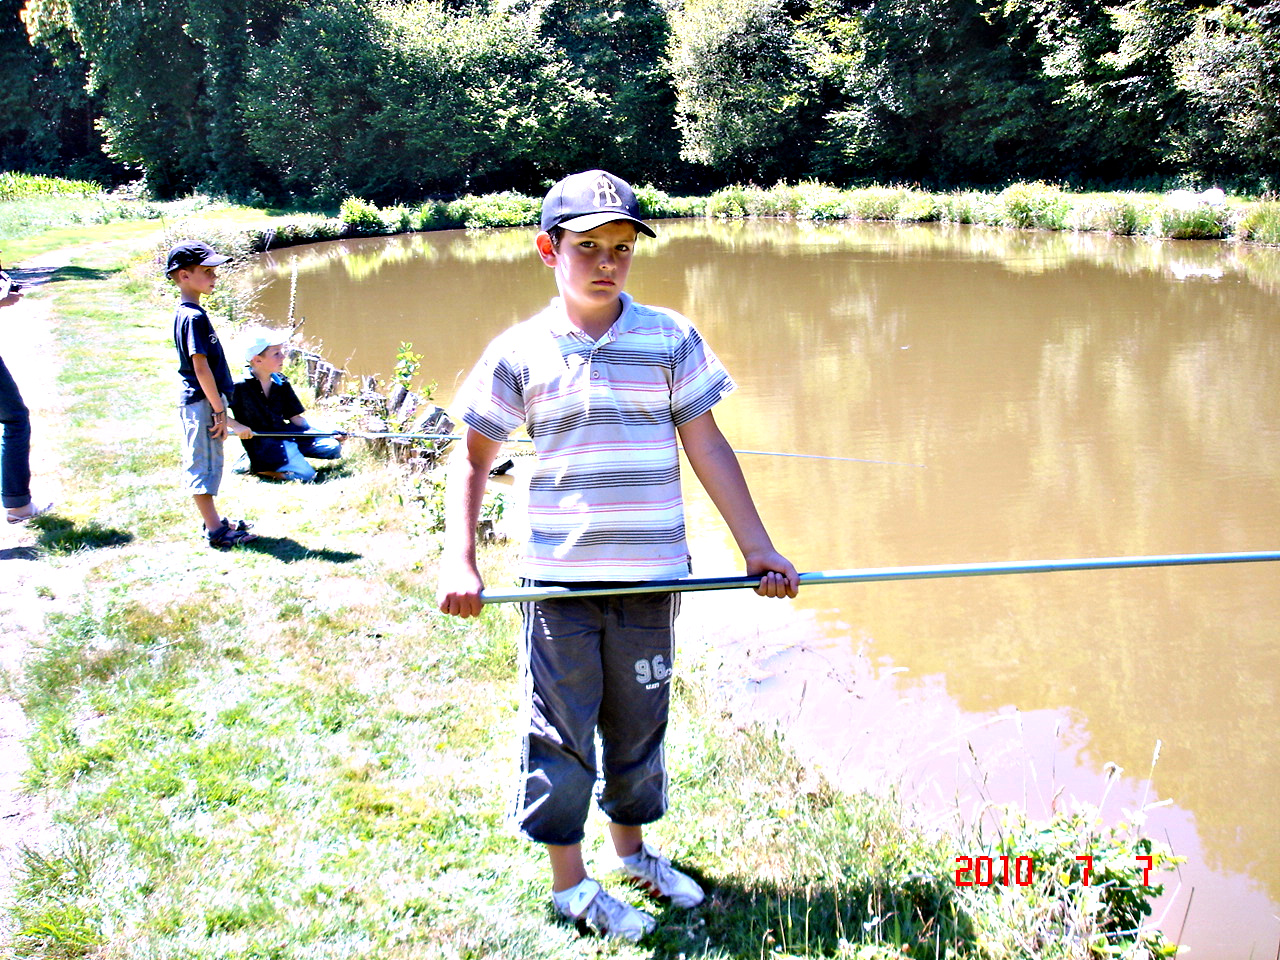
(433,215)
(784,200)
(506,209)
(398,219)
(686,207)
(727,203)
(817,201)
(759,202)
(961,208)
(655,204)
(919,207)
(1119,214)
(875,203)
(361,217)
(1199,222)
(1260,223)
(1036,204)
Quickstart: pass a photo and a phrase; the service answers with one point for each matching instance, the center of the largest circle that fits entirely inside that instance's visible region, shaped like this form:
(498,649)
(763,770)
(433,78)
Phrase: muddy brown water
(1037,396)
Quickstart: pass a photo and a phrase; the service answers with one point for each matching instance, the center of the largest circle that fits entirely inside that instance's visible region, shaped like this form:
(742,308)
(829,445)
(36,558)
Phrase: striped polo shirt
(604,499)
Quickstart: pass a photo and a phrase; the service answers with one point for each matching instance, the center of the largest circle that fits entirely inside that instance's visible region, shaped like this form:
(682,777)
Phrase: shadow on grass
(39,275)
(288,550)
(19,553)
(59,535)
(916,918)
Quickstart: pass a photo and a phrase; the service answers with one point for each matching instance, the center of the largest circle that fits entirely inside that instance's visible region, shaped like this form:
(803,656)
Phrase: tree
(167,73)
(615,49)
(46,115)
(395,104)
(744,88)
(942,92)
(1229,69)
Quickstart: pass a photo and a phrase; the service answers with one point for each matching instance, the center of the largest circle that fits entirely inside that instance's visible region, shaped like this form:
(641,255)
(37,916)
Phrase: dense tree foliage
(46,115)
(396,100)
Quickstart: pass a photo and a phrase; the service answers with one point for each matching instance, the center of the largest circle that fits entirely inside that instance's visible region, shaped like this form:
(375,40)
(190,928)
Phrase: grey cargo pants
(588,664)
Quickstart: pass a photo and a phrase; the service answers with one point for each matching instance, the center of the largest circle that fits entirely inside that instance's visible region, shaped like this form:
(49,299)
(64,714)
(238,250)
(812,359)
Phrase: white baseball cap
(259,340)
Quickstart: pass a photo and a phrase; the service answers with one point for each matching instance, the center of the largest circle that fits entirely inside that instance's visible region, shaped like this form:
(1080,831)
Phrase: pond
(1007,396)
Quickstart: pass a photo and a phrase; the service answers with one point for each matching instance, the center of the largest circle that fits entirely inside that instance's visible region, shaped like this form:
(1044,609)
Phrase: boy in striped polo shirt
(604,387)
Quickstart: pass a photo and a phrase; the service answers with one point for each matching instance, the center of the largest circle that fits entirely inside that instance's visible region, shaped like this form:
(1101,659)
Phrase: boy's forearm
(468,478)
(463,496)
(721,476)
(460,585)
(208,383)
(718,470)
(716,465)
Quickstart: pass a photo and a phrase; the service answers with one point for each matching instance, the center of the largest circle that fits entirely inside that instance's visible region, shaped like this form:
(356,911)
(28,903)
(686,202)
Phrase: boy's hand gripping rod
(878,574)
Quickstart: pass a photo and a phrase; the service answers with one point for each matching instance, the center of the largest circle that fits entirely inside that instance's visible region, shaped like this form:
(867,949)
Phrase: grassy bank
(285,752)
(34,206)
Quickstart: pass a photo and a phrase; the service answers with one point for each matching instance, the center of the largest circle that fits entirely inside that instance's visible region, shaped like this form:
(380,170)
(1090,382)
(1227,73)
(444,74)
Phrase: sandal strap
(228,536)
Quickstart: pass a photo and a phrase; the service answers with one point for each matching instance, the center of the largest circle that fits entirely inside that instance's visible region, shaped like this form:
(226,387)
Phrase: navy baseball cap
(584,201)
(193,253)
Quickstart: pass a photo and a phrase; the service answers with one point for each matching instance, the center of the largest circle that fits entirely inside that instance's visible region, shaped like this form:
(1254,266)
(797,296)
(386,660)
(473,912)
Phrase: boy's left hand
(779,577)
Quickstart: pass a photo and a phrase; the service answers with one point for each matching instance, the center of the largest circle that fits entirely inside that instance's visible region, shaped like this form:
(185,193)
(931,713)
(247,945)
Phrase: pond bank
(286,751)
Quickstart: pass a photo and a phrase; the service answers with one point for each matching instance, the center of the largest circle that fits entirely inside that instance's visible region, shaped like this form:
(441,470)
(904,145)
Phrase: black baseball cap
(193,253)
(583,201)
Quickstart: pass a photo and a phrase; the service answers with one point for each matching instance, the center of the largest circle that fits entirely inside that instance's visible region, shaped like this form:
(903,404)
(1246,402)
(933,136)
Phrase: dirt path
(29,587)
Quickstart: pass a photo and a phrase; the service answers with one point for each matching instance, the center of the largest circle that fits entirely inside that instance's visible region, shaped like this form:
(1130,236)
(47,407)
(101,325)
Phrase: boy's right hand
(459,592)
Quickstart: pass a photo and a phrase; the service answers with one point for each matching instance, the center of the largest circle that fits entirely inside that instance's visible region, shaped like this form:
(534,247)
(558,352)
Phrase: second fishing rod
(393,435)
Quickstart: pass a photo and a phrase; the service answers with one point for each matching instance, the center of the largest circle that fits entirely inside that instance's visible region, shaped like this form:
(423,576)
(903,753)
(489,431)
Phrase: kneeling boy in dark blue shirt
(264,402)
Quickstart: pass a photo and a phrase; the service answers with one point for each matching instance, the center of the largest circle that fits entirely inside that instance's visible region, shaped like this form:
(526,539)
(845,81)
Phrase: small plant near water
(407,364)
(962,207)
(1069,881)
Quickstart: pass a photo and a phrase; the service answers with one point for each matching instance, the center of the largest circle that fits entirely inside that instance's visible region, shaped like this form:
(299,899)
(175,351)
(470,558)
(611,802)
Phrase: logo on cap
(606,193)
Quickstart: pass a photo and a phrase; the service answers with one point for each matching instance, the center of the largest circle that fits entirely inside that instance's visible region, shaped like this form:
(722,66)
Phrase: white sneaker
(607,916)
(651,869)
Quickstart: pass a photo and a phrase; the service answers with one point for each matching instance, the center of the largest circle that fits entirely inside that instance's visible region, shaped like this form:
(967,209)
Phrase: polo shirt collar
(562,326)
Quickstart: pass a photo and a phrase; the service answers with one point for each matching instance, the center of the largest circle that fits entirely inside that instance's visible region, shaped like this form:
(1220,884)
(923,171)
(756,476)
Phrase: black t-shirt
(193,333)
(270,413)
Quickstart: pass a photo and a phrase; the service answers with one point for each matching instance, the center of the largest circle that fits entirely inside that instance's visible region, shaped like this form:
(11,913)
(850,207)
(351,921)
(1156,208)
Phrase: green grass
(24,186)
(1260,224)
(287,752)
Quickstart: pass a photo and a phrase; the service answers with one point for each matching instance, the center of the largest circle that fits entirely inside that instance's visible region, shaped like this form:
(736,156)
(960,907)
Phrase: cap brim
(216,260)
(590,221)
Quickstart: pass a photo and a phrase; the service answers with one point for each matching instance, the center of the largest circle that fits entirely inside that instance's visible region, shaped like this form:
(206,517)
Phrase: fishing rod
(815,456)
(358,435)
(879,574)
(361,435)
